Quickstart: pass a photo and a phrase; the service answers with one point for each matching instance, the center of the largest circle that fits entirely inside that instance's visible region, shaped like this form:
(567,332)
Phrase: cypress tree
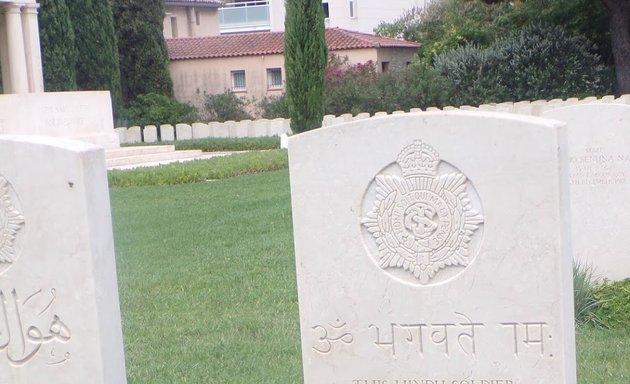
(59,54)
(95,39)
(141,48)
(305,56)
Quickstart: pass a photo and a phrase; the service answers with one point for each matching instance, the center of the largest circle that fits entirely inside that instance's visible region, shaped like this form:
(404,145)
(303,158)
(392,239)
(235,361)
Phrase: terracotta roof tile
(268,43)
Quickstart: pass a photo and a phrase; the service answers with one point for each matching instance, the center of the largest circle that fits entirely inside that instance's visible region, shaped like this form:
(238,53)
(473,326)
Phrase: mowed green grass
(207,281)
(208,294)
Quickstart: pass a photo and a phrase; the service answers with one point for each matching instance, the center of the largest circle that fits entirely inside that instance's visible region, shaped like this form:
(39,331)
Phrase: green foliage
(201,170)
(613,307)
(59,54)
(351,88)
(141,48)
(361,88)
(305,56)
(584,300)
(535,63)
(154,109)
(547,62)
(95,39)
(274,106)
(473,74)
(448,24)
(578,17)
(226,106)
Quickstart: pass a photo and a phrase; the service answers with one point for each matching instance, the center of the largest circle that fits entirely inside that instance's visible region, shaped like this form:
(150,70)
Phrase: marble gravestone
(59,309)
(599,165)
(84,116)
(434,248)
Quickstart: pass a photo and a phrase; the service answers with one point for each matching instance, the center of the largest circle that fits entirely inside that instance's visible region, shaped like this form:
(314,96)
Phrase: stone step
(139,150)
(151,159)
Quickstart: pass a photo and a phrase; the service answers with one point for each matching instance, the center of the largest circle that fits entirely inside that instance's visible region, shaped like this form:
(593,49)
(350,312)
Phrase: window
(384,66)
(239,82)
(174,26)
(325,7)
(352,10)
(274,78)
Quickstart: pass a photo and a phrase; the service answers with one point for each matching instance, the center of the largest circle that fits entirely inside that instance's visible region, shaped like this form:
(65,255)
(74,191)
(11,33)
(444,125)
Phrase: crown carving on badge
(418,159)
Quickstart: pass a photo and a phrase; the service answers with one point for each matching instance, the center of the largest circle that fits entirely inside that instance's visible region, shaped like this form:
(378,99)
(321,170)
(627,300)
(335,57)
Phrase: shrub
(351,88)
(274,106)
(226,106)
(535,63)
(613,304)
(584,300)
(154,109)
(471,72)
(547,62)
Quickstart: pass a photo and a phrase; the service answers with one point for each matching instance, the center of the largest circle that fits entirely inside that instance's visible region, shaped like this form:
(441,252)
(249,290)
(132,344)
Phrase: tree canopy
(141,48)
(305,56)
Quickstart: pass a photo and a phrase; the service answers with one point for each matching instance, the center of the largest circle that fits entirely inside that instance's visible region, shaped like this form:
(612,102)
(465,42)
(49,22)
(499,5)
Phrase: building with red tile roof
(252,64)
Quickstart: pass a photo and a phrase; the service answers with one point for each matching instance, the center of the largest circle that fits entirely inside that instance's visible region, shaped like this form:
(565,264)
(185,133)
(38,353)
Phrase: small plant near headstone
(584,300)
(613,304)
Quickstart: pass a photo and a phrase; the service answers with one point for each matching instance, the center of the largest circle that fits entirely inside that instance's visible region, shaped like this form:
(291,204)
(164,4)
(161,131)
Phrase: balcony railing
(244,16)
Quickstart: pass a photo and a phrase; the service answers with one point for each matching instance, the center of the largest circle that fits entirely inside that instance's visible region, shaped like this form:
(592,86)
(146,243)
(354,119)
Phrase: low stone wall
(531,108)
(168,132)
(277,127)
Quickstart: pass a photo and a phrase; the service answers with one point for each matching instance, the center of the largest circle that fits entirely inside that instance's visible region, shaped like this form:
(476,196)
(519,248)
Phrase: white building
(189,18)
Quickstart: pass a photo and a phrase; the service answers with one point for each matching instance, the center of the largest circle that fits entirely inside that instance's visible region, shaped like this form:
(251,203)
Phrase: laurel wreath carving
(11,222)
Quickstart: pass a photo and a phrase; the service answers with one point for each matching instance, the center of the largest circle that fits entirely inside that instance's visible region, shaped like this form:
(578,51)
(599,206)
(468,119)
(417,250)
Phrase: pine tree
(95,39)
(141,48)
(59,54)
(305,56)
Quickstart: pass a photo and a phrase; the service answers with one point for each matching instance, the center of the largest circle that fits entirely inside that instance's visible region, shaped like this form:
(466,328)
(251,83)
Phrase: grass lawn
(207,285)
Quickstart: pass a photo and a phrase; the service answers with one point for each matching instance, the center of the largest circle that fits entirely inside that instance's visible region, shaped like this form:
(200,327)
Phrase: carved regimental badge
(11,225)
(424,221)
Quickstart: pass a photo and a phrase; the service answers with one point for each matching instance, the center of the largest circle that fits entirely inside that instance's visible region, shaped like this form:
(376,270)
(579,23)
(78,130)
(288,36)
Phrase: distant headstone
(433,249)
(599,164)
(85,116)
(59,310)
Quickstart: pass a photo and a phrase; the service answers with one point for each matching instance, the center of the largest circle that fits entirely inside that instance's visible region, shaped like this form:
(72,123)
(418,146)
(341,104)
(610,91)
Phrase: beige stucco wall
(186,26)
(194,78)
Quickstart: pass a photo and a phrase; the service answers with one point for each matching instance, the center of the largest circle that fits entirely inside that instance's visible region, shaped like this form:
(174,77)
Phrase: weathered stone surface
(85,116)
(599,164)
(59,315)
(434,247)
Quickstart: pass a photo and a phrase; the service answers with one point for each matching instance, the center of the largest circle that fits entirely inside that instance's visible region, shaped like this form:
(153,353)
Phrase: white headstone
(59,310)
(149,133)
(434,248)
(200,131)
(167,132)
(183,132)
(85,116)
(599,159)
(134,135)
